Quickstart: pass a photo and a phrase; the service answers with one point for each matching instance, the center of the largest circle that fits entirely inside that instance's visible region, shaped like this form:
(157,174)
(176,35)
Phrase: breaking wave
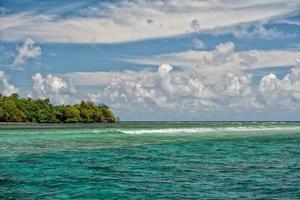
(207,130)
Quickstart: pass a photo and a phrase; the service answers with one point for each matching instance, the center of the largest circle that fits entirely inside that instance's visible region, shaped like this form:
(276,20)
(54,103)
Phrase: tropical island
(16,109)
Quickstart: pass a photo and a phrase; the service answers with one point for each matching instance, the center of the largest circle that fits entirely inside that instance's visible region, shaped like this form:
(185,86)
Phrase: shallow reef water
(151,160)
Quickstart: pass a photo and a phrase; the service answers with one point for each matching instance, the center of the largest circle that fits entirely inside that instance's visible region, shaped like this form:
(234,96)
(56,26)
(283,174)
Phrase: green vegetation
(16,109)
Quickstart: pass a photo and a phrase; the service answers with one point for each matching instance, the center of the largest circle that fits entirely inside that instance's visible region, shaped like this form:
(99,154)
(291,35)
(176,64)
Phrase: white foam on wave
(207,130)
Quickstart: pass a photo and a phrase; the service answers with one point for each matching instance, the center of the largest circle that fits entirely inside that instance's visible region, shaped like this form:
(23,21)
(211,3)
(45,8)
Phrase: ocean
(151,160)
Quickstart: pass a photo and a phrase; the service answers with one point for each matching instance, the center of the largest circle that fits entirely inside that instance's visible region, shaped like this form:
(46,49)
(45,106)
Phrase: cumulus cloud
(281,92)
(29,50)
(202,80)
(6,88)
(237,85)
(169,90)
(298,60)
(219,79)
(172,91)
(164,76)
(54,87)
(139,20)
(211,65)
(224,58)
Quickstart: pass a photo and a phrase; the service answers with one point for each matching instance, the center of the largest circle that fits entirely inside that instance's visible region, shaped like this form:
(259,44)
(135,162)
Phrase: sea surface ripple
(162,160)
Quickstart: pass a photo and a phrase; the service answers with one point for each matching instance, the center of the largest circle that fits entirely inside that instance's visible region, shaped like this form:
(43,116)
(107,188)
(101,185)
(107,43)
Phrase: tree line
(16,109)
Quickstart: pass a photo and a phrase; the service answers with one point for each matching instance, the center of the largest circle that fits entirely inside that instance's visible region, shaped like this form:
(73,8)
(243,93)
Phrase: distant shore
(16,123)
(32,125)
(18,110)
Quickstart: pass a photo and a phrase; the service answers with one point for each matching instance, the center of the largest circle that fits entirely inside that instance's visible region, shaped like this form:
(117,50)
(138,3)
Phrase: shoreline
(128,122)
(144,124)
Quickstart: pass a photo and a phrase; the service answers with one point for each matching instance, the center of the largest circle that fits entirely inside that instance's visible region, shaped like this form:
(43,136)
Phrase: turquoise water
(208,160)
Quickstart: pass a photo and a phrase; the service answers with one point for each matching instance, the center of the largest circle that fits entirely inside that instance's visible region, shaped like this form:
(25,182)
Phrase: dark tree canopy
(16,109)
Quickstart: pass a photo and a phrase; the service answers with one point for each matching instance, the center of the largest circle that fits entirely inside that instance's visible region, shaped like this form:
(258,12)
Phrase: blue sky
(156,60)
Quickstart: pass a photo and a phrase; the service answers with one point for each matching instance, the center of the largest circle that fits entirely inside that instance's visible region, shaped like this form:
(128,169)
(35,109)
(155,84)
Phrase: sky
(156,60)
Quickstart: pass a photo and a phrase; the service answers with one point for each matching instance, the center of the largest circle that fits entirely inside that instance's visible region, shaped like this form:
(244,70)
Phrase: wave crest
(206,130)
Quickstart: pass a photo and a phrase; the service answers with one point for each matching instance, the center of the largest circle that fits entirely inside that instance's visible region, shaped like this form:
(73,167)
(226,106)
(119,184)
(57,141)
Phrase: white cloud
(171,91)
(104,78)
(282,92)
(224,59)
(237,85)
(251,30)
(298,60)
(53,87)
(138,20)
(290,22)
(260,31)
(206,80)
(198,44)
(28,51)
(6,88)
